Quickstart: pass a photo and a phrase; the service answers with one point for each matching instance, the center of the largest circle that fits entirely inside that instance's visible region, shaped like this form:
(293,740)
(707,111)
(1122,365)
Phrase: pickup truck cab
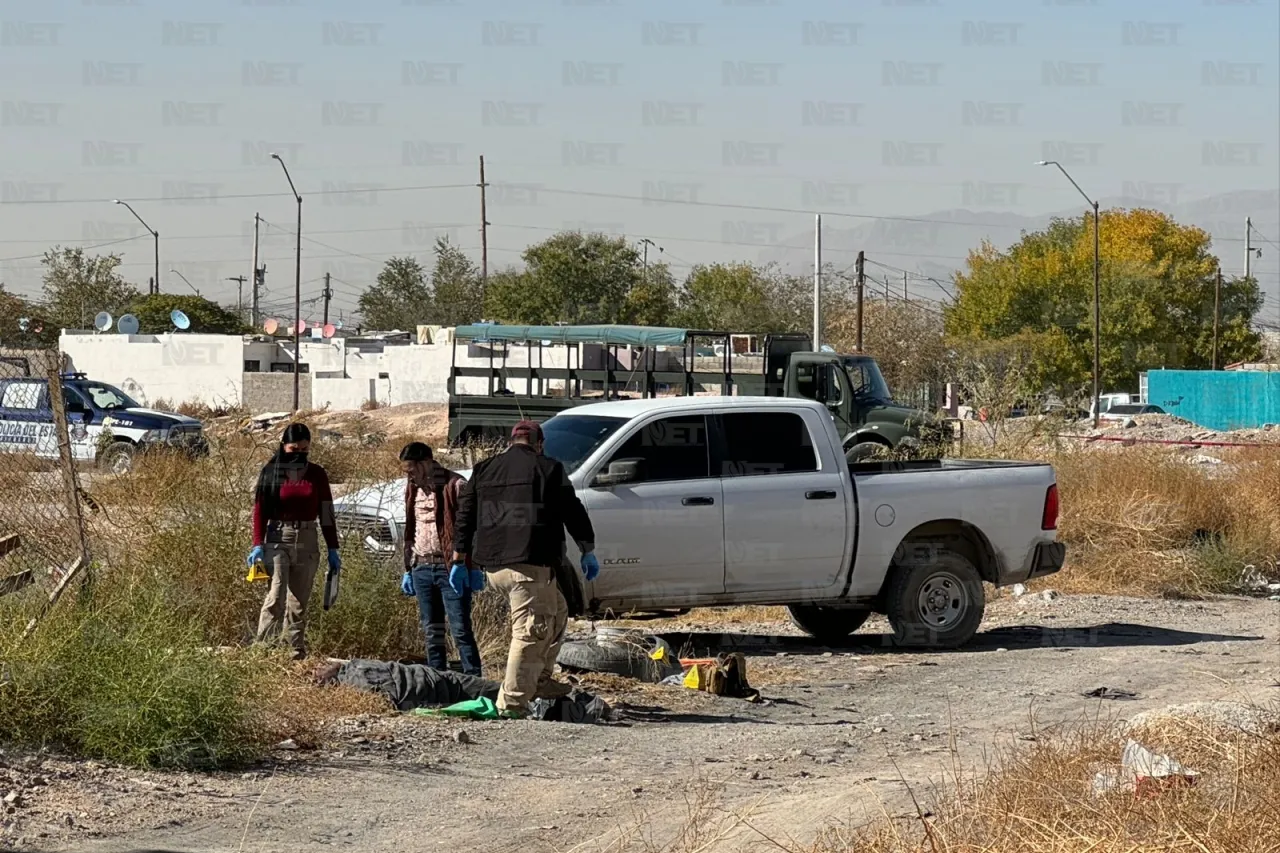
(750,500)
(106,425)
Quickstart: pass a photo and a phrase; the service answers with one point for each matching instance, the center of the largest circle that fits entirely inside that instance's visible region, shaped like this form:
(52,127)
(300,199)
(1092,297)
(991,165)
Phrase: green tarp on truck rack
(639,336)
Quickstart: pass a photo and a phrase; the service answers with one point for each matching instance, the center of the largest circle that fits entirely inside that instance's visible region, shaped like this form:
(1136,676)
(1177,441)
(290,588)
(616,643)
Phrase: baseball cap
(527,429)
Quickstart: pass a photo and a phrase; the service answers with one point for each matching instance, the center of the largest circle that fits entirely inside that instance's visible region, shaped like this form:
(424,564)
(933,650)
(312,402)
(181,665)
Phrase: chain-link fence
(43,531)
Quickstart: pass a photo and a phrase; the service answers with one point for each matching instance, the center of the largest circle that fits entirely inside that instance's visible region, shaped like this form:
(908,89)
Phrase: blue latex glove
(476,580)
(458,578)
(590,566)
(335,561)
(255,555)
(406,583)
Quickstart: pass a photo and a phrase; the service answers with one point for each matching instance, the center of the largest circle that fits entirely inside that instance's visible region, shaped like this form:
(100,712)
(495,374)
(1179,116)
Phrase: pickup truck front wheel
(935,602)
(827,624)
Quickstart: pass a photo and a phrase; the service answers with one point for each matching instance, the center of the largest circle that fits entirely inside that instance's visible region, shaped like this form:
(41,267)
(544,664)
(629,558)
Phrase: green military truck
(511,373)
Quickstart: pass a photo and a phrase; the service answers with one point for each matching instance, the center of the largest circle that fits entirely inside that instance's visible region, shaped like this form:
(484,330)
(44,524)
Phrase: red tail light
(1050,519)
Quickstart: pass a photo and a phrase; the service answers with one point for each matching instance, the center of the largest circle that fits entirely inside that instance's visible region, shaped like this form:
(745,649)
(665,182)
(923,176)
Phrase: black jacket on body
(515,508)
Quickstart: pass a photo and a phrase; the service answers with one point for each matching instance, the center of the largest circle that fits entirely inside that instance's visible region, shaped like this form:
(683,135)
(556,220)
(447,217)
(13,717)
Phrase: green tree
(652,300)
(729,297)
(455,286)
(581,278)
(1157,285)
(400,299)
(78,285)
(153,313)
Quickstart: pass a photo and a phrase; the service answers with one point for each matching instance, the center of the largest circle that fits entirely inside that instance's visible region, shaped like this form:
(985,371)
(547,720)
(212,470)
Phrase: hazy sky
(589,112)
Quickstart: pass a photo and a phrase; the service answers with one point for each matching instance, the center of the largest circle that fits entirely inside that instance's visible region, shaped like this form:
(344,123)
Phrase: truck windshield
(570,439)
(106,397)
(867,380)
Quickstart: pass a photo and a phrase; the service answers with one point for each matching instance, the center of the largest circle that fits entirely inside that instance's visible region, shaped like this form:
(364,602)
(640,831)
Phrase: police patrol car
(106,425)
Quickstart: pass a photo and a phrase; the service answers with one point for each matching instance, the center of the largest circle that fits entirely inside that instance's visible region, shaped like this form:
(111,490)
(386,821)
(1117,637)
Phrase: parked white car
(707,501)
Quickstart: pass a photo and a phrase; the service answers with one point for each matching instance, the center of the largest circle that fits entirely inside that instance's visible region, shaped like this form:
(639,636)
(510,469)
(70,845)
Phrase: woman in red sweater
(291,494)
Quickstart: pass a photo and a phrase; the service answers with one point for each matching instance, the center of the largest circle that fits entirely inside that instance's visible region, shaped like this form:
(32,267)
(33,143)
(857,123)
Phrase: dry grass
(1145,521)
(1029,798)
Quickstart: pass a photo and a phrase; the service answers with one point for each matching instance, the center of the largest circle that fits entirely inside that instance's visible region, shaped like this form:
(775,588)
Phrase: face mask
(294,458)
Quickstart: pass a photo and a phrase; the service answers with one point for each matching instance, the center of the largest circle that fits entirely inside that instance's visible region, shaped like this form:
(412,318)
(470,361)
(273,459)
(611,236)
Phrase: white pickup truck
(707,501)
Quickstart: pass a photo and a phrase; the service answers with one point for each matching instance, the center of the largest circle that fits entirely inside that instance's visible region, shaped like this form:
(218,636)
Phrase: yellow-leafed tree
(1157,286)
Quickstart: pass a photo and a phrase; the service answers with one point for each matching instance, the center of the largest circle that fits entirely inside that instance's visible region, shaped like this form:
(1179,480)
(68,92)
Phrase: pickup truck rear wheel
(828,624)
(935,602)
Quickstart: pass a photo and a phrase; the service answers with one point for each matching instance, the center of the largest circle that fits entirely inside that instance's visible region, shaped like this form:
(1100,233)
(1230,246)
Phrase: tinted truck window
(669,449)
(759,443)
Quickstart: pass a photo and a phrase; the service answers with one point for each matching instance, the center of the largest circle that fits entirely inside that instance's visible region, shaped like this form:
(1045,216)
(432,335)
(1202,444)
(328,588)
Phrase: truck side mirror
(621,471)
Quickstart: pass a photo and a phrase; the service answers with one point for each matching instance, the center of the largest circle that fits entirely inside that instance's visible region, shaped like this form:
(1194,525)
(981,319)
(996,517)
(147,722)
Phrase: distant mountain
(936,244)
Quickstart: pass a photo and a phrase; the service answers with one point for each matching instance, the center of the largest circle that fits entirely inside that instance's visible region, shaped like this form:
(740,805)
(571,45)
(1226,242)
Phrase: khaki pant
(539,615)
(292,555)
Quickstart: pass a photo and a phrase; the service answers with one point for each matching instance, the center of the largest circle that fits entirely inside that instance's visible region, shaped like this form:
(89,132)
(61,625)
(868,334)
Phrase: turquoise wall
(1221,400)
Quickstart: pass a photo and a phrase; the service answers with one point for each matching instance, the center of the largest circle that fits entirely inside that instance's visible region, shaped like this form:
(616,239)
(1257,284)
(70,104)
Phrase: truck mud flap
(1048,559)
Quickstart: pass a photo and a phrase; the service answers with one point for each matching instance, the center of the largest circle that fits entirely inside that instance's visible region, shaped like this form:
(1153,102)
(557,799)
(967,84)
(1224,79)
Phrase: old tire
(934,600)
(829,625)
(117,458)
(616,656)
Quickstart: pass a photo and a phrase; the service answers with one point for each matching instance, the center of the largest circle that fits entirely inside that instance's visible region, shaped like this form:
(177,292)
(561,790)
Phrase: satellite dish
(271,325)
(103,321)
(23,323)
(337,324)
(127,325)
(302,326)
(180,320)
(329,330)
(827,348)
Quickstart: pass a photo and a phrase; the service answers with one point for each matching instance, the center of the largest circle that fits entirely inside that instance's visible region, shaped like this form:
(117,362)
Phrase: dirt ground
(843,733)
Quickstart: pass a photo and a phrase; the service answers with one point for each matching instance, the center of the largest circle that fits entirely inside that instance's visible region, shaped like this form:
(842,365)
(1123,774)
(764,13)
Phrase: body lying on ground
(408,685)
(411,685)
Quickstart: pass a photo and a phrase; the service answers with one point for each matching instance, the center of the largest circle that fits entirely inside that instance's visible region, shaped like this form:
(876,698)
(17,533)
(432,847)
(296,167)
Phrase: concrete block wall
(273,392)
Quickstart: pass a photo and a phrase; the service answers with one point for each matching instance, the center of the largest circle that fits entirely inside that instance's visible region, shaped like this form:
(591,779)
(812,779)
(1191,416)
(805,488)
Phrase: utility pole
(1217,303)
(862,283)
(646,243)
(1248,245)
(817,282)
(886,291)
(257,274)
(484,237)
(328,294)
(904,286)
(239,280)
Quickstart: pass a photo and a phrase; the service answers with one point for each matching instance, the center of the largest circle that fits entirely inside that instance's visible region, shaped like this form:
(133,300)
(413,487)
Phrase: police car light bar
(74,375)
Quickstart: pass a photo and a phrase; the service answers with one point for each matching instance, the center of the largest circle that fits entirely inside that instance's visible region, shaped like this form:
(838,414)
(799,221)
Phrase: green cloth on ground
(475,709)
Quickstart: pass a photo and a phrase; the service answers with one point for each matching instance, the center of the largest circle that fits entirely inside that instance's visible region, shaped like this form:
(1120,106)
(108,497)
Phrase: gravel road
(843,735)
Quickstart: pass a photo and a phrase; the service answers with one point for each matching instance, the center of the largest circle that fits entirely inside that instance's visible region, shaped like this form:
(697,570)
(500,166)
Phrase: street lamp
(1097,293)
(297,288)
(154,234)
(184,278)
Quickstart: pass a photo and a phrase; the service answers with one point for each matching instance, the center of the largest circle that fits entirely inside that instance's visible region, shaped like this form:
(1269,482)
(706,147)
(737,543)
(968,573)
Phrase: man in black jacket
(511,519)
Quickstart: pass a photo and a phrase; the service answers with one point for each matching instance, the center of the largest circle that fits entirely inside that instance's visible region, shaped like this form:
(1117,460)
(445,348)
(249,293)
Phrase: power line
(98,246)
(423,187)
